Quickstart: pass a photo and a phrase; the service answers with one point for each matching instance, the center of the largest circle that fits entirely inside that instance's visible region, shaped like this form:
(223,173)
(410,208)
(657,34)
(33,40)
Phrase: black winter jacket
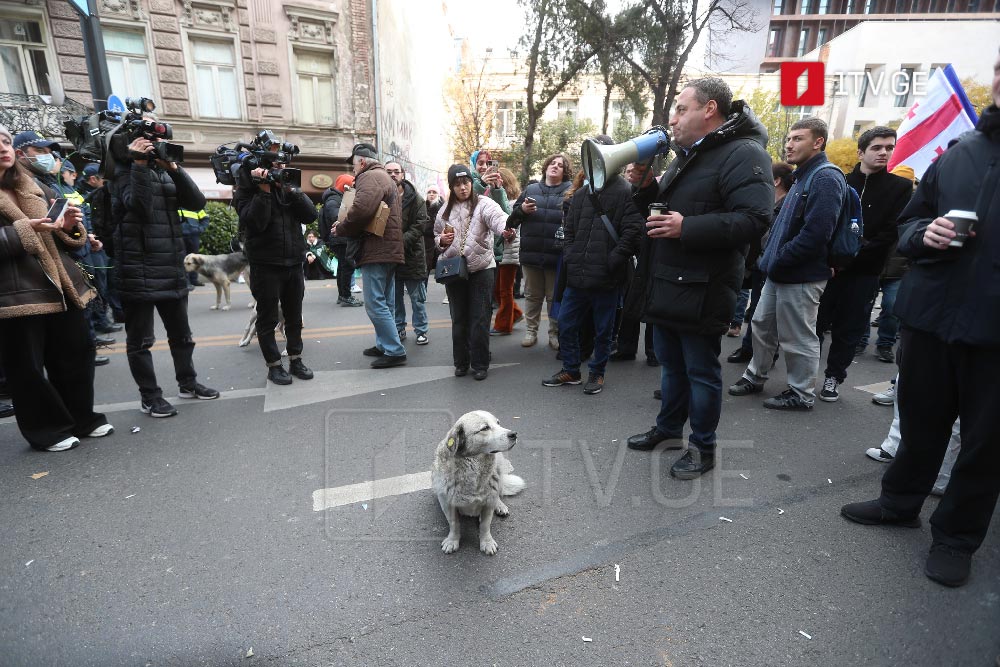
(538,230)
(954,294)
(591,259)
(273,224)
(332,199)
(415,224)
(725,192)
(430,247)
(883,198)
(149,242)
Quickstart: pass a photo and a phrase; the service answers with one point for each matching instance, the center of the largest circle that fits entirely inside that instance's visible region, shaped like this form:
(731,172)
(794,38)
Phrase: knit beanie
(342,182)
(457,171)
(5,132)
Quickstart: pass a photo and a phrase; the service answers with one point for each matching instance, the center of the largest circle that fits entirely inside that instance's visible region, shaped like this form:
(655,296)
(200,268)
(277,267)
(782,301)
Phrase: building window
(314,74)
(869,6)
(915,6)
(821,37)
(803,41)
(509,115)
(951,7)
(774,43)
(215,78)
(824,7)
(903,83)
(864,98)
(805,7)
(24,68)
(568,109)
(973,6)
(128,64)
(778,7)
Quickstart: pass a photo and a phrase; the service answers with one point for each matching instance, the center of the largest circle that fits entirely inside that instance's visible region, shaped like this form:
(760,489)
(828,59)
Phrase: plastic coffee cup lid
(956,213)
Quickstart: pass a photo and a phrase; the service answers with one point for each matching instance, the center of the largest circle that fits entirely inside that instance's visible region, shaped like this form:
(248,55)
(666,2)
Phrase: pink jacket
(488,219)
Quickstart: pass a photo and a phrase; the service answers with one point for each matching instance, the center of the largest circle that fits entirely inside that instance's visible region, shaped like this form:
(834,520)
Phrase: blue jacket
(797,249)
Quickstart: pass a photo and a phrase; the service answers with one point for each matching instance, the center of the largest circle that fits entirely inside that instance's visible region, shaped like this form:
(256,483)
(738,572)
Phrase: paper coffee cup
(963,221)
(659,208)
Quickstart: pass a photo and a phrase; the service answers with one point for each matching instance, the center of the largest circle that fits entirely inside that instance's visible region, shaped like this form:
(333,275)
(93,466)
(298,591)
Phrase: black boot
(278,375)
(299,370)
(693,464)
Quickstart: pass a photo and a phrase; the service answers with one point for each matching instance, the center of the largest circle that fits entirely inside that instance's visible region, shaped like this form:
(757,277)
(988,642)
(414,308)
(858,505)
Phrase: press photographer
(272,208)
(147,190)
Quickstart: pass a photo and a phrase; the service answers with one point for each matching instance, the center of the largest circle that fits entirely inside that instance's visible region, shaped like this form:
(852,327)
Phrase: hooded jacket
(273,224)
(149,240)
(883,198)
(724,189)
(591,257)
(373,186)
(415,222)
(331,199)
(39,277)
(954,294)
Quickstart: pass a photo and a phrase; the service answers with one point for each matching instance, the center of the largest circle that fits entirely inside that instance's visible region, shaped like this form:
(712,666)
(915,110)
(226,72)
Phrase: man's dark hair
(783,171)
(710,88)
(868,136)
(816,126)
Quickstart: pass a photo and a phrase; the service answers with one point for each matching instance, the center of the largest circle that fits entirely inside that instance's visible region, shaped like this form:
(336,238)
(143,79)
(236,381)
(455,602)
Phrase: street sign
(115,104)
(81,7)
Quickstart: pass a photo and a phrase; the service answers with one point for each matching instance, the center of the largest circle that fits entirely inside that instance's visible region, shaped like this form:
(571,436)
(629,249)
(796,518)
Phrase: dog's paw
(501,509)
(225,307)
(215,307)
(450,545)
(488,546)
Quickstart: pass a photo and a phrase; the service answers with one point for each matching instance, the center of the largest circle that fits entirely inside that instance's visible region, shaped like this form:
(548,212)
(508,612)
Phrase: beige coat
(473,237)
(38,276)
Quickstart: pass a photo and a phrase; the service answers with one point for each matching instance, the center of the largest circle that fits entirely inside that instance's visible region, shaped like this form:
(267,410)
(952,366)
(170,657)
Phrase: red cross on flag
(943,114)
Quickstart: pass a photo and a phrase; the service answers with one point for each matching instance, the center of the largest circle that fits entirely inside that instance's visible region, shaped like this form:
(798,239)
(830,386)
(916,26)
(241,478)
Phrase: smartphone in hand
(57,209)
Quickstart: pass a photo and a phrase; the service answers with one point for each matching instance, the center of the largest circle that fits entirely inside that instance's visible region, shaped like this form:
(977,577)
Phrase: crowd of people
(723,238)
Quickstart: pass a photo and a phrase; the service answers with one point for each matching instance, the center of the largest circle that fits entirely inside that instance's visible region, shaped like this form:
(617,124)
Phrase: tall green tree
(655,38)
(563,135)
(563,37)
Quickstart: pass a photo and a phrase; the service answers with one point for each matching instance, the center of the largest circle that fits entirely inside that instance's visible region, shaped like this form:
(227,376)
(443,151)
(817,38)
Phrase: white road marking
(370,490)
(876,388)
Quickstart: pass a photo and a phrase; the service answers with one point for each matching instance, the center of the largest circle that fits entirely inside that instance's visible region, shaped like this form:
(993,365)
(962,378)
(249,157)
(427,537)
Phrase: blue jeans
(740,314)
(418,300)
(888,323)
(691,383)
(578,304)
(378,283)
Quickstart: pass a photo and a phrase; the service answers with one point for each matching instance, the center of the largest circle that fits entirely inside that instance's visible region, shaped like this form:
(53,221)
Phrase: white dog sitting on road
(471,474)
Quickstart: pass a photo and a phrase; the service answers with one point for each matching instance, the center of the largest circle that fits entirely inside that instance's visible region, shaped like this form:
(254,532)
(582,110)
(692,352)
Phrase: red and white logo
(802,84)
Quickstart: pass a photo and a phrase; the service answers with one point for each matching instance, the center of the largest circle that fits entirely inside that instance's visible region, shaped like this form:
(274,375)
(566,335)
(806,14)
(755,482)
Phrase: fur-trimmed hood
(42,278)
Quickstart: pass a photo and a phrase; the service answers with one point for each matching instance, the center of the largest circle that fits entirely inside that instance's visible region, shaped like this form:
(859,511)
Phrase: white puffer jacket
(512,250)
(473,237)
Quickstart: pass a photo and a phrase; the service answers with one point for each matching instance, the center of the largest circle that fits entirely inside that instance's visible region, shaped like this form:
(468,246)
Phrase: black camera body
(232,166)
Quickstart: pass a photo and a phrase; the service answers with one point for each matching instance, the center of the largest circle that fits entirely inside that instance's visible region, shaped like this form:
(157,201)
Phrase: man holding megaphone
(714,198)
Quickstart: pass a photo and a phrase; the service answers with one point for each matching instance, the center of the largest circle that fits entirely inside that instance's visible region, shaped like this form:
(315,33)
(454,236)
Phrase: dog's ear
(456,440)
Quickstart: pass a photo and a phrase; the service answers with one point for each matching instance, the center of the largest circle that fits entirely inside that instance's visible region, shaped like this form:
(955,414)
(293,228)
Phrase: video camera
(109,133)
(232,166)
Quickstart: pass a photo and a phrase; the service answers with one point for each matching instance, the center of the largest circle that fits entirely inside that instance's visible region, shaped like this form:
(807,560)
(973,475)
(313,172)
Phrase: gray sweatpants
(786,314)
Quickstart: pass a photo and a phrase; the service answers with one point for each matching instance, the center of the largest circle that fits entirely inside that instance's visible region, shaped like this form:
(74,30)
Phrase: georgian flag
(932,122)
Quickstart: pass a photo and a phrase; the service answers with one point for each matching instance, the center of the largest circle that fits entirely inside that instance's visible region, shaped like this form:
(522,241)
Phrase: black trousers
(274,286)
(345,269)
(628,338)
(49,363)
(937,383)
(469,302)
(139,338)
(843,311)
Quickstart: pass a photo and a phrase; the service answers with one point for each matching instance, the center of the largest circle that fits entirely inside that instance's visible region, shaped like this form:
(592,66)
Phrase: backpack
(101,219)
(848,234)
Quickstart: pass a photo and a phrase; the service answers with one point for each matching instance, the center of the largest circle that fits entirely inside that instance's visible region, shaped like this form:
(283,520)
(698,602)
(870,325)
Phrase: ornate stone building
(219,70)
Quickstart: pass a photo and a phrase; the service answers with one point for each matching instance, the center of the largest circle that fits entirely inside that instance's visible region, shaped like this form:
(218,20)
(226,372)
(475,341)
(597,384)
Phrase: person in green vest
(193,223)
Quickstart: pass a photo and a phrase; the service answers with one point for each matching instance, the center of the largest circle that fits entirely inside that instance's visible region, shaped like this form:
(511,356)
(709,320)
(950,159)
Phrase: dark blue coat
(538,230)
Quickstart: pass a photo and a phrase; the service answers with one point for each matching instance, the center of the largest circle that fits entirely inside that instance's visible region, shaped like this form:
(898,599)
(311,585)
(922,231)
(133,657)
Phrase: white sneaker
(530,338)
(68,443)
(554,342)
(887,397)
(879,454)
(355,289)
(445,300)
(101,431)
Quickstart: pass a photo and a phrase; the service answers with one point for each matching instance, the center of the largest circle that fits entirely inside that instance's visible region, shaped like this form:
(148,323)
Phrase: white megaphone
(599,160)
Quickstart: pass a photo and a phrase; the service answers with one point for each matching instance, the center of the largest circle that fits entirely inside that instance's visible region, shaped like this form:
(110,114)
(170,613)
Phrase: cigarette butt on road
(618,571)
(829,481)
(722,518)
(132,496)
(781,511)
(250,652)
(744,476)
(587,639)
(805,634)
(136,429)
(28,564)
(39,475)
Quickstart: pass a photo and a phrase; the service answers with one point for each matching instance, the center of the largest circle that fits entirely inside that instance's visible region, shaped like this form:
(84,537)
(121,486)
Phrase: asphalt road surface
(213,537)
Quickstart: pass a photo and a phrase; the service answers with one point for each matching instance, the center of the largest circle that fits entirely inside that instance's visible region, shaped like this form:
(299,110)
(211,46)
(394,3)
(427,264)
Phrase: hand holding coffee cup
(663,223)
(951,230)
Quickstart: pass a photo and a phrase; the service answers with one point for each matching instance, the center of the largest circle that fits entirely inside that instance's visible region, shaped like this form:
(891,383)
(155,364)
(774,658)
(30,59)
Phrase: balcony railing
(35,112)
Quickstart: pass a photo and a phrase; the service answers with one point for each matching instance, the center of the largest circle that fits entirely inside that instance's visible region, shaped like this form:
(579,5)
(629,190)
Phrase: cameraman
(271,215)
(149,247)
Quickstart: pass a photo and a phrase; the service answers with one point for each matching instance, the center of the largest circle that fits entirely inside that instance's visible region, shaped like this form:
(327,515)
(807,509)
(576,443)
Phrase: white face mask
(43,164)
